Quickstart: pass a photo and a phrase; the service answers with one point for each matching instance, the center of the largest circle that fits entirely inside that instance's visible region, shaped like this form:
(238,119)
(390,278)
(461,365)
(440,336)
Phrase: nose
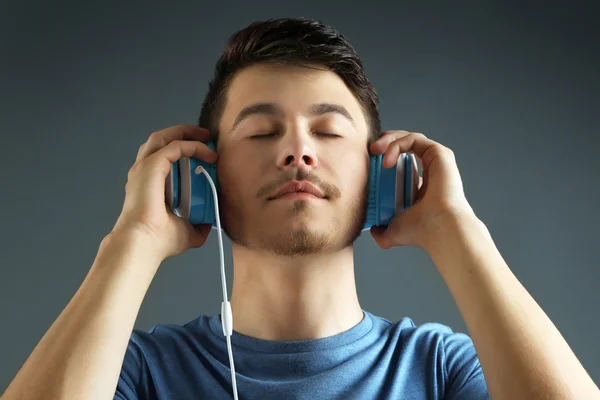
(298,151)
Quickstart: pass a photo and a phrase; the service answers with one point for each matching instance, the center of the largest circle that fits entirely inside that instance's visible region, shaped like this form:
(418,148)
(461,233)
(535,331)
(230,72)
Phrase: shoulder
(149,351)
(423,335)
(450,347)
(171,336)
(434,345)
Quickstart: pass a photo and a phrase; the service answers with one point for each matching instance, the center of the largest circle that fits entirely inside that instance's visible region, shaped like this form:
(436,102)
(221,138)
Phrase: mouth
(297,196)
(297,190)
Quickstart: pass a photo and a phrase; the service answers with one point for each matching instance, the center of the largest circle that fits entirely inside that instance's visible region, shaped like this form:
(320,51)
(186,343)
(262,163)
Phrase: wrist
(129,249)
(453,231)
(122,272)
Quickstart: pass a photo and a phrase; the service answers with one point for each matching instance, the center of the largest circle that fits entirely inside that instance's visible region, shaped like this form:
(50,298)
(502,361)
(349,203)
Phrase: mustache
(329,190)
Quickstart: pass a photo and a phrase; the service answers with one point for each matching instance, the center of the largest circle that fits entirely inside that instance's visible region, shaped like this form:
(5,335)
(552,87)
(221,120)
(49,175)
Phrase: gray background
(513,90)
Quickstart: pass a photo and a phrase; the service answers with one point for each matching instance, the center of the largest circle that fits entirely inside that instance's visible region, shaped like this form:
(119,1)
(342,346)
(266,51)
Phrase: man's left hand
(440,197)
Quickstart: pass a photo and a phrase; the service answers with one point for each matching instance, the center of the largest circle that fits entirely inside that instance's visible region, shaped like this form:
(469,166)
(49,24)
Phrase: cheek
(229,179)
(238,180)
(352,175)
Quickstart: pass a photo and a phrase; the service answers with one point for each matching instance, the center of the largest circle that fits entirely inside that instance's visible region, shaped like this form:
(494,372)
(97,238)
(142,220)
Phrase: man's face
(292,131)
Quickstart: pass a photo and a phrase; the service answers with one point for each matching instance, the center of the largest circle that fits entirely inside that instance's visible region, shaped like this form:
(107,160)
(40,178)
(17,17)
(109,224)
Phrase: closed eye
(331,135)
(263,135)
(273,134)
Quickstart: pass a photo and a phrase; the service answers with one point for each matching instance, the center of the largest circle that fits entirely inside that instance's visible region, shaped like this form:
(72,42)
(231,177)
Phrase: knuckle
(140,153)
(130,175)
(396,134)
(176,144)
(137,166)
(186,126)
(449,152)
(155,136)
(132,171)
(416,136)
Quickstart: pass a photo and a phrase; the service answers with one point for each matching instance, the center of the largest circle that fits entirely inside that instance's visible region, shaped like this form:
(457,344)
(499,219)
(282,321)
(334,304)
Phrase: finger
(166,156)
(380,145)
(200,234)
(391,155)
(398,232)
(382,236)
(392,152)
(140,149)
(160,139)
(425,149)
(193,236)
(378,234)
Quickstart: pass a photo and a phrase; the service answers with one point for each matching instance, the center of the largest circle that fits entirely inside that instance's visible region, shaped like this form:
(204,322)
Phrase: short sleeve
(465,378)
(130,378)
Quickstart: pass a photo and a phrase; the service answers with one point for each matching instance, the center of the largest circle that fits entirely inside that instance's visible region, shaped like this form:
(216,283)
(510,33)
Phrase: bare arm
(81,355)
(522,353)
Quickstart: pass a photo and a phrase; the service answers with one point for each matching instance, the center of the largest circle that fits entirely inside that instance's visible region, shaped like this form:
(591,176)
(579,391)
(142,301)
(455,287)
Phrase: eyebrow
(273,109)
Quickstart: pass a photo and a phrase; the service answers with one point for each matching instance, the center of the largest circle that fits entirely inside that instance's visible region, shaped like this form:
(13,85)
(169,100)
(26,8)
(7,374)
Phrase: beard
(246,231)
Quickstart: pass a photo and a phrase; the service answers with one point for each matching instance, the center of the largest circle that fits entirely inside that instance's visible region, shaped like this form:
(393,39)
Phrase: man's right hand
(144,210)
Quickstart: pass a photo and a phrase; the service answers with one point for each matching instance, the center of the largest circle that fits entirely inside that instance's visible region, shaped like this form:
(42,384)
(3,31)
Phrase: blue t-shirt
(375,359)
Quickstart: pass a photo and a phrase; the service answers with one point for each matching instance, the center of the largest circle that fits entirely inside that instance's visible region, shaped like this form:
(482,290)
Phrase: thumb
(395,233)
(381,235)
(199,234)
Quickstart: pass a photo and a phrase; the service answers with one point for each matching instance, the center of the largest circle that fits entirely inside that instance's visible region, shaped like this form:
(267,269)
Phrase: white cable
(226,314)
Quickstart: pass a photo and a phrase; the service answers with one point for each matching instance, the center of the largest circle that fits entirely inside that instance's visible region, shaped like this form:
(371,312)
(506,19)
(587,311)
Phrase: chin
(295,228)
(310,221)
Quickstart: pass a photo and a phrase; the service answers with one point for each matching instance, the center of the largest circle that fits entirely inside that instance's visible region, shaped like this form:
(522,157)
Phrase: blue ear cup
(391,190)
(188,192)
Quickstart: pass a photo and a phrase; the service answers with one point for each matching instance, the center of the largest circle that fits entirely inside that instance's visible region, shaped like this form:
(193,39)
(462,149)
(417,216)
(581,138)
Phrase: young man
(290,103)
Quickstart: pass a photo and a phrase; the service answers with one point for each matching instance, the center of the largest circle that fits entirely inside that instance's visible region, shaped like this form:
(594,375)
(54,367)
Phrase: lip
(295,189)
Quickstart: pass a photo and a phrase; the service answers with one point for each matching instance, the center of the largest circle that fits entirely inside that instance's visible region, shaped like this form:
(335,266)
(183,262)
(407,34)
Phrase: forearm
(523,355)
(81,355)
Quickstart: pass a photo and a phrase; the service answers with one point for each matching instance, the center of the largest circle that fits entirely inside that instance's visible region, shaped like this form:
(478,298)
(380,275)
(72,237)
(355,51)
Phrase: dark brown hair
(297,41)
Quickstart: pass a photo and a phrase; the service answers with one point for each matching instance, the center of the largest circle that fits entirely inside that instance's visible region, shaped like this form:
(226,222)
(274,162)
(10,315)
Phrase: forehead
(293,88)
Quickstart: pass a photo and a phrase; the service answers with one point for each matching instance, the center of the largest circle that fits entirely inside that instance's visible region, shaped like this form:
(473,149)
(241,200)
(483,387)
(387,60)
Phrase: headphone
(391,190)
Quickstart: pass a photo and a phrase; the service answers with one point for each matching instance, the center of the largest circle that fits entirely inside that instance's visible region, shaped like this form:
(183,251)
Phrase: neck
(300,298)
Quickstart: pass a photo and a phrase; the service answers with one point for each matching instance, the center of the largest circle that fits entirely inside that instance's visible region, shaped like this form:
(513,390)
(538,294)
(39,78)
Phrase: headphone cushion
(372,200)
